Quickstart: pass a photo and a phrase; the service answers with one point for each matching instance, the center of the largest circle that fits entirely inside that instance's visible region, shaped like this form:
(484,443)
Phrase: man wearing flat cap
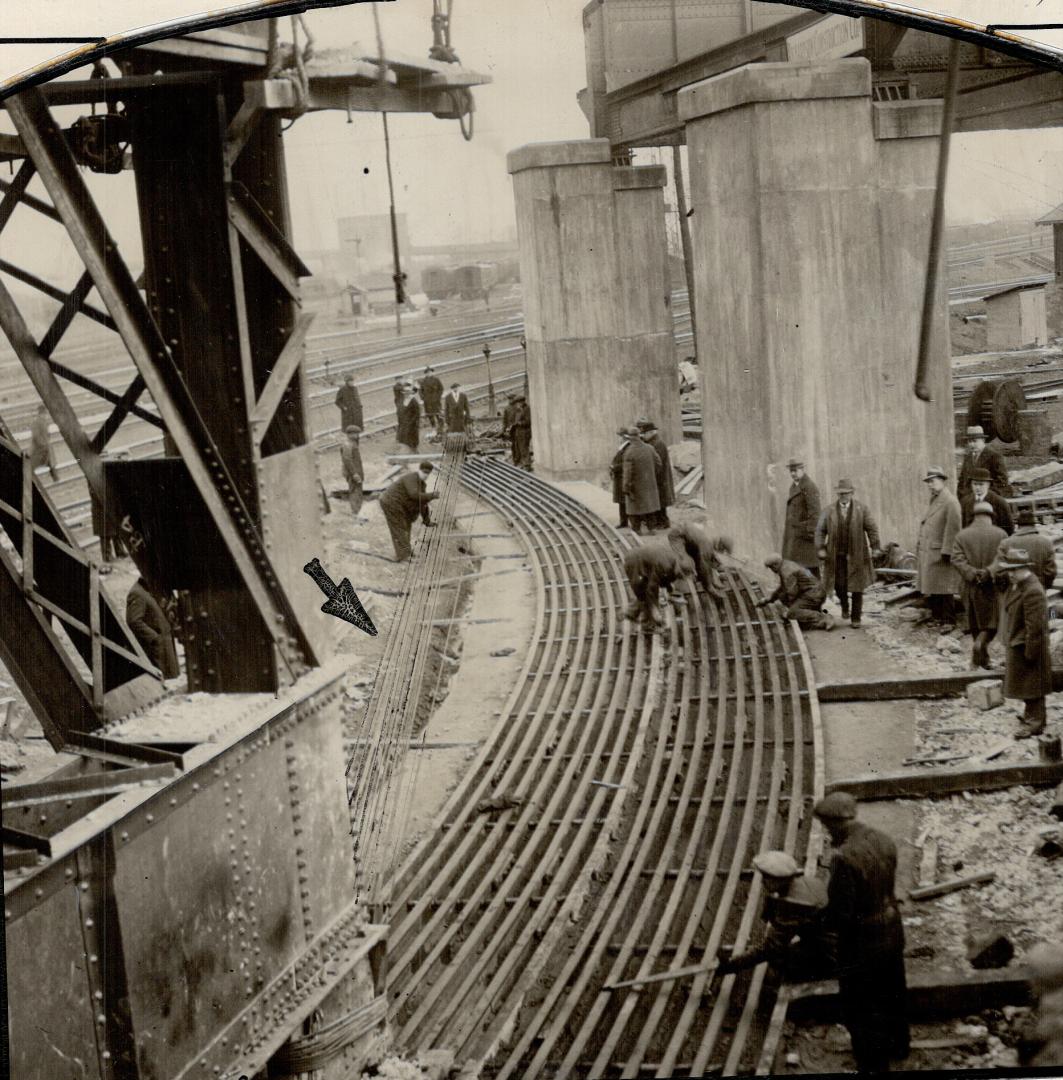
(979,456)
(937,579)
(665,483)
(982,492)
(862,912)
(846,542)
(638,470)
(973,553)
(802,515)
(793,911)
(1028,675)
(800,592)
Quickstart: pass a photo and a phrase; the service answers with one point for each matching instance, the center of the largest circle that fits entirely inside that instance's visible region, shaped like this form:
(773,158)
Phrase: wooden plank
(891,689)
(942,888)
(917,785)
(665,976)
(284,369)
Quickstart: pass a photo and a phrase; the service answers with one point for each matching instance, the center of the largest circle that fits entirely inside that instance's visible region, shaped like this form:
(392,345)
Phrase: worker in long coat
(802,516)
(1039,548)
(793,941)
(409,413)
(519,428)
(353,472)
(152,629)
(982,492)
(861,914)
(937,578)
(403,500)
(846,541)
(665,480)
(616,474)
(800,592)
(1028,675)
(650,568)
(979,456)
(705,552)
(456,411)
(640,466)
(432,396)
(974,550)
(349,402)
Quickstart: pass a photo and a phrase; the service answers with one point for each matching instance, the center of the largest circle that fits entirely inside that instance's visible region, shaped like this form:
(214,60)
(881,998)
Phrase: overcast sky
(452,190)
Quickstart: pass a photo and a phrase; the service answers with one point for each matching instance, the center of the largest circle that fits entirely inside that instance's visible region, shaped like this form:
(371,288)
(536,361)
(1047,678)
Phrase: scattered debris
(951,885)
(985,694)
(990,950)
(507,651)
(498,802)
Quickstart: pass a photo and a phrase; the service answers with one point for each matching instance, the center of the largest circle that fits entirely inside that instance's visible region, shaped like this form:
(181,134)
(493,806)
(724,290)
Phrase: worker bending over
(407,497)
(650,568)
(704,551)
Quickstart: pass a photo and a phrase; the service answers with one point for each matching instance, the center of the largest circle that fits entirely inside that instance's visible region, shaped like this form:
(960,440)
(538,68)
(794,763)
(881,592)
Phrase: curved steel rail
(639,781)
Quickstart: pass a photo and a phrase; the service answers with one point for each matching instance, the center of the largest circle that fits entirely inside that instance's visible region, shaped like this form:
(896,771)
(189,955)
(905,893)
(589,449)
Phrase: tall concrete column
(596,289)
(811,212)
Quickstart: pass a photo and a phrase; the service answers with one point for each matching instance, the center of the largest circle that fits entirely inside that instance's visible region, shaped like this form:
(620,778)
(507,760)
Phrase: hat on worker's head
(1026,516)
(975,431)
(425,466)
(644,423)
(981,508)
(773,561)
(838,806)
(353,429)
(935,471)
(776,864)
(980,476)
(1014,559)
(454,385)
(795,463)
(845,486)
(632,432)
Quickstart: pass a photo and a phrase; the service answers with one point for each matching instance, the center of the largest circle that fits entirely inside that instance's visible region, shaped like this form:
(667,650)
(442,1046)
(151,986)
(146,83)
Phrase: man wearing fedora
(638,482)
(802,515)
(973,553)
(979,456)
(665,483)
(1039,548)
(846,541)
(937,579)
(981,491)
(1028,676)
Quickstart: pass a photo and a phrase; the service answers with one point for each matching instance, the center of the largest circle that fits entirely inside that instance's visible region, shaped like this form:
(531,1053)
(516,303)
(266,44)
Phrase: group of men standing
(641,472)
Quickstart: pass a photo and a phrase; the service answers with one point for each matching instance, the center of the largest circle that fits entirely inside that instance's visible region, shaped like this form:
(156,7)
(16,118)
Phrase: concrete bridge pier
(810,222)
(597,317)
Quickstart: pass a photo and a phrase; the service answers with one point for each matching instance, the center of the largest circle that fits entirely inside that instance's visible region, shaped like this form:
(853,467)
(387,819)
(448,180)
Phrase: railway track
(639,776)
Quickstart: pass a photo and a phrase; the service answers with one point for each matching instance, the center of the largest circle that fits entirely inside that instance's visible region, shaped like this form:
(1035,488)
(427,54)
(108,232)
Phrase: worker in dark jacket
(409,414)
(973,552)
(793,910)
(518,426)
(802,516)
(665,481)
(705,552)
(981,492)
(1038,548)
(862,915)
(1029,669)
(639,469)
(152,629)
(407,497)
(650,568)
(847,542)
(456,411)
(800,592)
(616,474)
(979,456)
(432,396)
(349,402)
(353,473)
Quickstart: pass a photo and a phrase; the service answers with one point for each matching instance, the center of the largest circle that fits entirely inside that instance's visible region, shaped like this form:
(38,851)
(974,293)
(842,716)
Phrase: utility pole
(398,276)
(490,384)
(684,235)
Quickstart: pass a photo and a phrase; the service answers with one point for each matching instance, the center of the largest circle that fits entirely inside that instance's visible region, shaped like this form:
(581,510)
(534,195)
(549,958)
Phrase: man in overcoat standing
(862,912)
(640,466)
(982,492)
(974,550)
(432,396)
(408,432)
(616,474)
(802,515)
(938,580)
(349,402)
(979,456)
(1028,676)
(846,540)
(1039,548)
(665,482)
(456,412)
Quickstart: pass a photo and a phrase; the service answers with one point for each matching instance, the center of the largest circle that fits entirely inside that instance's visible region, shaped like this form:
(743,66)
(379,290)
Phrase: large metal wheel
(1008,400)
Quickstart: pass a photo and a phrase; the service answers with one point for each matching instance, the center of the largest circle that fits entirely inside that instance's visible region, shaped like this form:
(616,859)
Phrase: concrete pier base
(810,225)
(596,303)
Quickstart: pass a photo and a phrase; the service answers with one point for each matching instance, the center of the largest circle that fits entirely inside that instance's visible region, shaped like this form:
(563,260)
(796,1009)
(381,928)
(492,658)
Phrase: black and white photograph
(531,539)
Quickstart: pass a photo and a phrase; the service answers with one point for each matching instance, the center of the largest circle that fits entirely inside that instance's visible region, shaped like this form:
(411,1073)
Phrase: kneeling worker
(402,502)
(802,593)
(793,908)
(650,568)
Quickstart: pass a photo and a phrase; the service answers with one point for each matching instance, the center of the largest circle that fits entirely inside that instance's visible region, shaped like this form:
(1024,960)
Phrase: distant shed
(1016,317)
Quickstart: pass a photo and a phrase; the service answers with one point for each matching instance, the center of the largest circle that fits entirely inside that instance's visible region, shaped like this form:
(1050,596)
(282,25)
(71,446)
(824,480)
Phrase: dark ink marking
(342,600)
